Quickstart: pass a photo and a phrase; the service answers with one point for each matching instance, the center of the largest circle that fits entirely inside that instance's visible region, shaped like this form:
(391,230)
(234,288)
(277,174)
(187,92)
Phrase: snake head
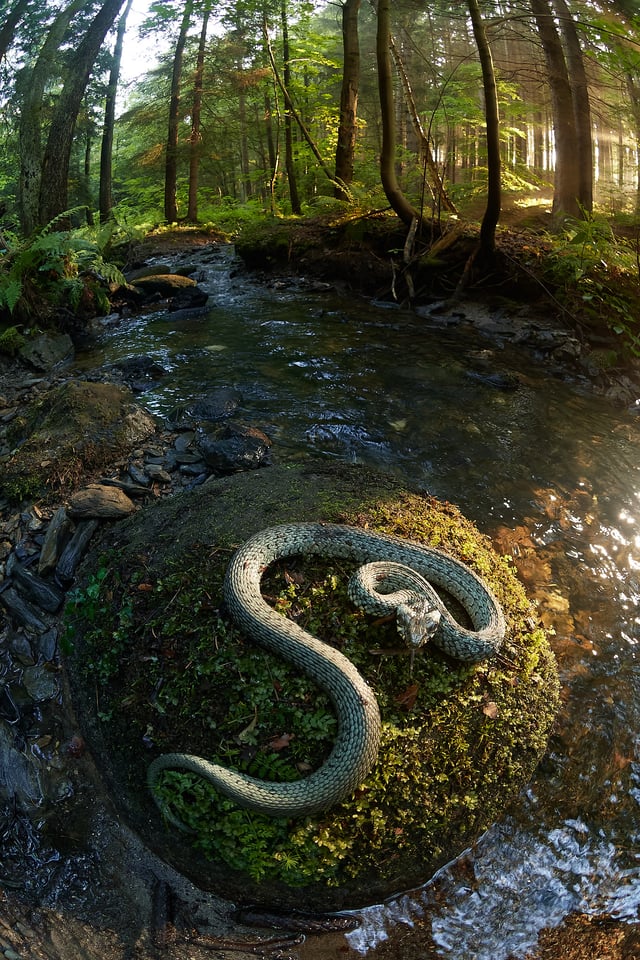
(418,622)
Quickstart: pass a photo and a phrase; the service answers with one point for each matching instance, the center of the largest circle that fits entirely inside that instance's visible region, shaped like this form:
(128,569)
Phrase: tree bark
(105,202)
(494,199)
(11,20)
(347,129)
(399,203)
(294,197)
(566,179)
(54,185)
(581,105)
(30,131)
(171,159)
(196,111)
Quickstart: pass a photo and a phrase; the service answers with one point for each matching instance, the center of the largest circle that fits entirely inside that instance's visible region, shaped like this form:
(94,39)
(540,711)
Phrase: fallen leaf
(281,742)
(490,709)
(408,697)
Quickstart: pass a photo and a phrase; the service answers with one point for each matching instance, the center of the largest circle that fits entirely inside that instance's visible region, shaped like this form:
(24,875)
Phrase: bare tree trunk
(566,179)
(54,185)
(171,159)
(494,200)
(105,202)
(30,132)
(196,112)
(294,197)
(581,105)
(11,20)
(394,194)
(346,145)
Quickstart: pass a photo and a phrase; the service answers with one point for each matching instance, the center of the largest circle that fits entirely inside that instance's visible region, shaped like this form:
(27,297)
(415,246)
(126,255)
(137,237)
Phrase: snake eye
(417,622)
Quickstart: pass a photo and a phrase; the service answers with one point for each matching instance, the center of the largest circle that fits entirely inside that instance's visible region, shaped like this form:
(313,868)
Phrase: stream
(548,470)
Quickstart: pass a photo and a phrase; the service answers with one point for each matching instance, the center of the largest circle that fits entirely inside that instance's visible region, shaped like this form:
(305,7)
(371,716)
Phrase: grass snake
(392,578)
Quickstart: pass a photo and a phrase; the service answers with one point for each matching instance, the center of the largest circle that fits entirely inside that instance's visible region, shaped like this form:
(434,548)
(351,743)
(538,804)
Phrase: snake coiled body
(357,741)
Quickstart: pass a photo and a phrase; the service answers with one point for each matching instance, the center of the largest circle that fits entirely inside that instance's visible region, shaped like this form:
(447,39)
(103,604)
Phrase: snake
(392,576)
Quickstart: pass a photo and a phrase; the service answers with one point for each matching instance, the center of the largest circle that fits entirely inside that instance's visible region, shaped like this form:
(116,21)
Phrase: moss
(11,340)
(459,740)
(68,431)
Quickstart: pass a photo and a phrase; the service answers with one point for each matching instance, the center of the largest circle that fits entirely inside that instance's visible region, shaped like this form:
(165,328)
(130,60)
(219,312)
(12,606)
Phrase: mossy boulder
(156,665)
(68,431)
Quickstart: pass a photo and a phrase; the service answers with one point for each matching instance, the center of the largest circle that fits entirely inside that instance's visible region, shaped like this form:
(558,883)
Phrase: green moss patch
(157,666)
(67,432)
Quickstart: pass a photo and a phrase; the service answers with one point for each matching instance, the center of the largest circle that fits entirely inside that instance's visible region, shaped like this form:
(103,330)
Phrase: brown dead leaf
(408,696)
(279,743)
(490,709)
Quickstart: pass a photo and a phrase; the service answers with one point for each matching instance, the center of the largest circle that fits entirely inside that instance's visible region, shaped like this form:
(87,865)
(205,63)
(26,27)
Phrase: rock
(47,596)
(74,551)
(57,535)
(158,473)
(101,501)
(236,447)
(41,683)
(21,610)
(45,352)
(218,405)
(190,298)
(21,648)
(166,284)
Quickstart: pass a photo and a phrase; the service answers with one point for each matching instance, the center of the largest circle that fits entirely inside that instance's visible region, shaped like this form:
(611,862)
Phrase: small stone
(57,535)
(101,501)
(41,684)
(74,551)
(157,473)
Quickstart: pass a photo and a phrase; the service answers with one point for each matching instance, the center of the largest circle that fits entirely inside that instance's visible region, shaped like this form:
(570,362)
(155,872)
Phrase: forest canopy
(284,104)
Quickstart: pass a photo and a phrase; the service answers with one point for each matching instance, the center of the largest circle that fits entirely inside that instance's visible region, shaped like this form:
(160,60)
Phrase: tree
(492,211)
(566,179)
(392,189)
(347,128)
(33,81)
(171,157)
(294,197)
(54,184)
(106,149)
(11,20)
(581,104)
(196,110)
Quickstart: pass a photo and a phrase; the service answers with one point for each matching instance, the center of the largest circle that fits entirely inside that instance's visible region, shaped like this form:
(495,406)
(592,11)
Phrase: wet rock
(217,406)
(40,683)
(234,448)
(138,476)
(165,284)
(158,473)
(21,649)
(21,611)
(100,501)
(43,353)
(75,550)
(8,709)
(46,595)
(57,535)
(19,779)
(190,298)
(46,644)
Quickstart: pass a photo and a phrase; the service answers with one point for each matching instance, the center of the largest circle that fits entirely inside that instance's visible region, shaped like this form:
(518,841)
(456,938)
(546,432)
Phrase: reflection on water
(551,474)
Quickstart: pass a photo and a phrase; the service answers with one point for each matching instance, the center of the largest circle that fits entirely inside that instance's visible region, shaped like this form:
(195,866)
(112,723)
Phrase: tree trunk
(30,132)
(346,145)
(105,202)
(633,89)
(440,195)
(294,197)
(492,212)
(11,20)
(54,185)
(171,159)
(394,194)
(566,180)
(583,150)
(196,111)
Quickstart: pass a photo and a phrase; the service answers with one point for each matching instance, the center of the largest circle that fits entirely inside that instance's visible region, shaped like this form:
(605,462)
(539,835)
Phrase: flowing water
(550,472)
